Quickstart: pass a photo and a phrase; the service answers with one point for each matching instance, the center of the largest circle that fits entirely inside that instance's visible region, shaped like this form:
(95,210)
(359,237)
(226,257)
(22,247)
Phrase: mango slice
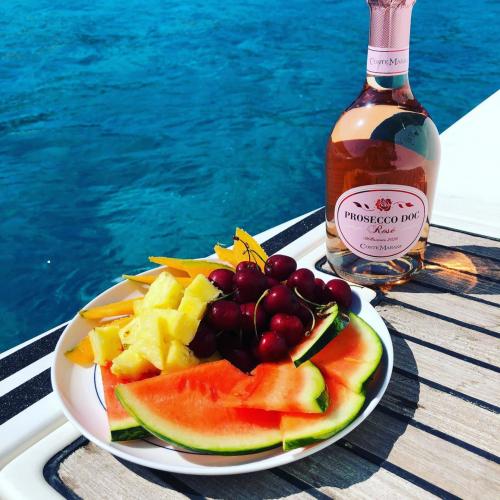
(82,353)
(146,279)
(119,322)
(245,247)
(108,311)
(190,266)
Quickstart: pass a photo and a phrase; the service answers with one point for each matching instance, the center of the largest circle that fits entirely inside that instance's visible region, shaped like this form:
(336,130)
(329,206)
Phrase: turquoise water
(136,128)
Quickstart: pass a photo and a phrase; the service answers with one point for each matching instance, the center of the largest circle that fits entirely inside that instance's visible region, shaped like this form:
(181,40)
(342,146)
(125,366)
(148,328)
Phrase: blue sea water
(136,128)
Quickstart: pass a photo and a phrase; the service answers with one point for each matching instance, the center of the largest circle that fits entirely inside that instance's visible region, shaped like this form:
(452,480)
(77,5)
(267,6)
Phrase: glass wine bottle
(381,163)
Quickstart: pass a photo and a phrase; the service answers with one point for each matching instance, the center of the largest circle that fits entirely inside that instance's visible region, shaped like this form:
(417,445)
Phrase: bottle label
(380,222)
(387,61)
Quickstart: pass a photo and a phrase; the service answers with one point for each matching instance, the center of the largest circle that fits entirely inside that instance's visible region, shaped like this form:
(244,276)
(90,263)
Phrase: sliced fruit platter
(228,357)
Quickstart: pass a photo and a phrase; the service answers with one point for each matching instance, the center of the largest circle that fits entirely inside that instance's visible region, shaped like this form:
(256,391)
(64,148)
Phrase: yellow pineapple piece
(164,292)
(131,364)
(138,306)
(151,342)
(202,289)
(82,353)
(192,306)
(105,342)
(179,326)
(128,334)
(179,357)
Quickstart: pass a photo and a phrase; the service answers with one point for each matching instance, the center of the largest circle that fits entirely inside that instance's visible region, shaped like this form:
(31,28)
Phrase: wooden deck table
(434,434)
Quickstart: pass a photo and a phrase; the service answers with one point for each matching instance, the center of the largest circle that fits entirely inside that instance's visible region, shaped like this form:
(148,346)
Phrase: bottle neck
(389,43)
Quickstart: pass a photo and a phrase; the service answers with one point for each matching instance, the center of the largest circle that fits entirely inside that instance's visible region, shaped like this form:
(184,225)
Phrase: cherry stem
(319,306)
(255,313)
(313,324)
(223,297)
(249,250)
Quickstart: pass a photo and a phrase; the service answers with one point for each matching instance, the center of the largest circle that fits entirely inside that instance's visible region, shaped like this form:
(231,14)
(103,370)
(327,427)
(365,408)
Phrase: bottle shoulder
(390,109)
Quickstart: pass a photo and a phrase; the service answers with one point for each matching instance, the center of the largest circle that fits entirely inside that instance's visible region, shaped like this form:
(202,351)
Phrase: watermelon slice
(185,409)
(281,387)
(352,356)
(122,426)
(346,363)
(300,429)
(325,330)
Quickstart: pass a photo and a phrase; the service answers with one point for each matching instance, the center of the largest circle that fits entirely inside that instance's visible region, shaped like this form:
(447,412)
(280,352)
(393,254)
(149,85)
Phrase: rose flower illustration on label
(382,161)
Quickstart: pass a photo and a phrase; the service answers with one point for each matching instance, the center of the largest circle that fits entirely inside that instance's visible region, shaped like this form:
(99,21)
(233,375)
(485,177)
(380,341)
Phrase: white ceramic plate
(80,393)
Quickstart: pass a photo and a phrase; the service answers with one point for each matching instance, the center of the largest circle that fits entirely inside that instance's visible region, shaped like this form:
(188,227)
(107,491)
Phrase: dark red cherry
(279,299)
(270,282)
(227,341)
(303,281)
(280,267)
(204,343)
(341,292)
(222,279)
(272,347)
(321,293)
(247,315)
(224,315)
(249,285)
(248,266)
(289,327)
(302,311)
(242,359)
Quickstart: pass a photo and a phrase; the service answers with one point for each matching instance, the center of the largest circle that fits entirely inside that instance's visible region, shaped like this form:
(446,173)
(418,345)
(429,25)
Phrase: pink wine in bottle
(381,164)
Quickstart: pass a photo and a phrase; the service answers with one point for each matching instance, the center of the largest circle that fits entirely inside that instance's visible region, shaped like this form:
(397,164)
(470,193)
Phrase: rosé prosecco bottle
(381,164)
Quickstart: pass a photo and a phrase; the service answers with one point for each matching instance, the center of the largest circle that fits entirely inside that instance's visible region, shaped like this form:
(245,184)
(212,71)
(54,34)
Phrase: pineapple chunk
(164,292)
(179,357)
(138,306)
(179,326)
(193,306)
(151,340)
(130,364)
(105,343)
(202,289)
(128,334)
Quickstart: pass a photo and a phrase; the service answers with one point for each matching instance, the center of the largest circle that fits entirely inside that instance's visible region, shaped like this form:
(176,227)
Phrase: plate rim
(265,463)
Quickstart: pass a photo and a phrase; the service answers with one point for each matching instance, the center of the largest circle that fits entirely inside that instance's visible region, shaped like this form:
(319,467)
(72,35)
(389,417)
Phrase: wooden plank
(431,458)
(443,412)
(340,473)
(265,484)
(457,339)
(91,472)
(449,280)
(467,243)
(471,380)
(454,307)
(460,261)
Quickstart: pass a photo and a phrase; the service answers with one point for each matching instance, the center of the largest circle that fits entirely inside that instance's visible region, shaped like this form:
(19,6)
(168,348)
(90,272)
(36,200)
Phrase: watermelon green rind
(323,401)
(326,427)
(314,394)
(217,445)
(126,430)
(326,330)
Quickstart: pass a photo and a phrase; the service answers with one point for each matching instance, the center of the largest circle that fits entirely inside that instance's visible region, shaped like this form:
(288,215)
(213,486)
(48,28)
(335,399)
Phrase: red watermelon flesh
(352,356)
(122,426)
(281,387)
(185,409)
